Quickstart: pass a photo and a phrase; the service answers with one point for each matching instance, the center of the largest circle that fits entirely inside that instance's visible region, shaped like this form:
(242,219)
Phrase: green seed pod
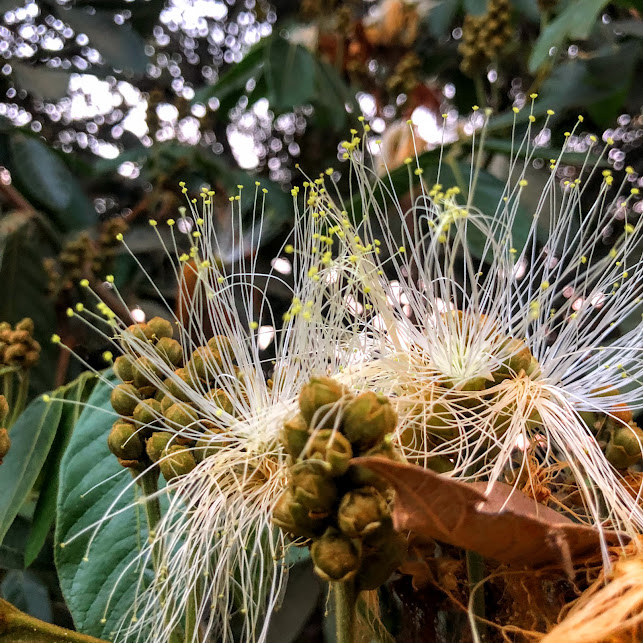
(313,486)
(145,372)
(5,443)
(294,436)
(320,399)
(331,447)
(140,331)
(170,350)
(181,414)
(368,418)
(361,512)
(379,564)
(124,442)
(157,444)
(336,557)
(124,368)
(160,327)
(26,324)
(147,411)
(221,399)
(178,461)
(624,448)
(4,409)
(124,399)
(291,517)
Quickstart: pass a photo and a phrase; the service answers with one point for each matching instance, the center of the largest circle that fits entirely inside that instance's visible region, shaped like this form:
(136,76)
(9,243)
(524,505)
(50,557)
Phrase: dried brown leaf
(506,525)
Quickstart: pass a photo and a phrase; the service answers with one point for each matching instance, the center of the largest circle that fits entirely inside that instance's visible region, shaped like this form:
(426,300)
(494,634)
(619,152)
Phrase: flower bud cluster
(159,424)
(484,37)
(17,344)
(341,510)
(5,441)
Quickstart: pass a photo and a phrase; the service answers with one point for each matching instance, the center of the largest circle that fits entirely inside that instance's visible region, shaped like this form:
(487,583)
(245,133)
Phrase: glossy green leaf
(40,172)
(575,22)
(41,82)
(31,437)
(74,395)
(504,146)
(90,482)
(119,45)
(290,74)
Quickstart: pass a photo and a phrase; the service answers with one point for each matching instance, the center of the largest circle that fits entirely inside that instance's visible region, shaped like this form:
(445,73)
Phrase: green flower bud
(124,442)
(624,448)
(320,399)
(361,512)
(160,328)
(439,464)
(173,386)
(5,443)
(221,399)
(157,444)
(178,461)
(147,411)
(145,372)
(363,477)
(170,350)
(368,418)
(26,324)
(19,336)
(166,403)
(441,422)
(181,414)
(331,447)
(313,486)
(221,349)
(208,445)
(147,392)
(4,409)
(124,399)
(291,517)
(140,331)
(378,565)
(124,368)
(294,436)
(518,358)
(336,557)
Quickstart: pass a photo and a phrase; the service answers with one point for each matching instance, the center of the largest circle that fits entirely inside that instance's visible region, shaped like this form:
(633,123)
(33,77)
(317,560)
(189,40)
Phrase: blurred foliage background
(105,105)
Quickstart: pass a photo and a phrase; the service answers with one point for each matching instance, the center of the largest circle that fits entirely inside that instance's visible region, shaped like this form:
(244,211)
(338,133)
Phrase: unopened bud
(312,486)
(320,399)
(290,516)
(294,436)
(156,445)
(5,443)
(26,324)
(178,384)
(170,350)
(221,350)
(331,447)
(123,368)
(208,444)
(336,557)
(439,464)
(181,414)
(4,409)
(365,477)
(141,331)
(361,512)
(624,448)
(368,418)
(221,399)
(178,461)
(518,358)
(124,442)
(379,564)
(160,327)
(124,399)
(147,411)
(146,372)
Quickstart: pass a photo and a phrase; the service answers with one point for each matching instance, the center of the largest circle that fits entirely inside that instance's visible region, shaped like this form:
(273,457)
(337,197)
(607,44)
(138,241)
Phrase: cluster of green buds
(406,75)
(5,441)
(484,37)
(619,436)
(83,257)
(159,424)
(18,348)
(339,509)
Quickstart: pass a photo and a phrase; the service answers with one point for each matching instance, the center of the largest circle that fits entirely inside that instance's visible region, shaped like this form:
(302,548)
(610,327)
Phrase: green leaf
(31,438)
(331,97)
(475,7)
(90,482)
(40,172)
(575,22)
(41,82)
(504,146)
(75,394)
(12,554)
(441,16)
(23,246)
(120,46)
(26,591)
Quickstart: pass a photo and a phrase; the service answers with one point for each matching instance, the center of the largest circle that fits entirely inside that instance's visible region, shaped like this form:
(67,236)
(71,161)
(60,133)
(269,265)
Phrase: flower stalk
(345,603)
